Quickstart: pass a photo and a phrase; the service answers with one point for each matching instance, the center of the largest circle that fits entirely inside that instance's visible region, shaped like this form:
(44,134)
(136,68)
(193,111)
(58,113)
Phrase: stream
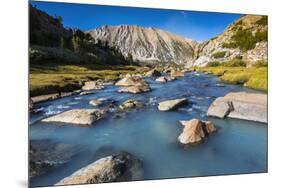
(237,147)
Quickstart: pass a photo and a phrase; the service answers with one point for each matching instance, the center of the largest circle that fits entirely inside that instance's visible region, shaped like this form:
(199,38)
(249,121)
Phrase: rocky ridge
(146,45)
(249,30)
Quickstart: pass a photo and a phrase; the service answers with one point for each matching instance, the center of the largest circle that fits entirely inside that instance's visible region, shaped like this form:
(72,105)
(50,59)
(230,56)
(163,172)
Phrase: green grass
(260,63)
(219,54)
(255,78)
(231,63)
(51,78)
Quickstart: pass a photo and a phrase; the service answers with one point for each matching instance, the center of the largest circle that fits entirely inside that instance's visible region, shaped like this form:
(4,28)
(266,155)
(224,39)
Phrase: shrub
(240,22)
(229,45)
(213,64)
(235,63)
(213,38)
(219,54)
(260,63)
(261,36)
(244,40)
(262,21)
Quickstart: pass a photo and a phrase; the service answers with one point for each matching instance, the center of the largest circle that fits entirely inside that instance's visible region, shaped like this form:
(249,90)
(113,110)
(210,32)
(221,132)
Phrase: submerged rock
(101,101)
(46,154)
(220,85)
(77,116)
(195,131)
(86,92)
(240,105)
(171,104)
(132,84)
(153,73)
(119,167)
(95,102)
(128,104)
(134,89)
(161,79)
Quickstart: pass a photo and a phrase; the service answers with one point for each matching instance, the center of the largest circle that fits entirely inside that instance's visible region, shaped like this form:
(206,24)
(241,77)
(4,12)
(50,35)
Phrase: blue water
(237,147)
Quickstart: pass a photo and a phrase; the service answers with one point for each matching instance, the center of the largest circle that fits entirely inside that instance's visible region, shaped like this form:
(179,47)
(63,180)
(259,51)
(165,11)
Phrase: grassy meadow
(51,78)
(255,77)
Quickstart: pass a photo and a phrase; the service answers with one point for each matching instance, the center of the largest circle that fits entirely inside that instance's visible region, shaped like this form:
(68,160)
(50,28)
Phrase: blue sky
(200,26)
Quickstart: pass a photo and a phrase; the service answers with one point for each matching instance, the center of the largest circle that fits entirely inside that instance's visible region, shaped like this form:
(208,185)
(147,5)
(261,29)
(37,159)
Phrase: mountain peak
(146,44)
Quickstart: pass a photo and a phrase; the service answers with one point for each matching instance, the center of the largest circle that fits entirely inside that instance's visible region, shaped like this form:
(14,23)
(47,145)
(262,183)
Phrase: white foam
(39,109)
(62,107)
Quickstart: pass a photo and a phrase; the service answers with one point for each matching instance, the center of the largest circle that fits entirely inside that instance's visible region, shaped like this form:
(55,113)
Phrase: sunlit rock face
(146,45)
(246,25)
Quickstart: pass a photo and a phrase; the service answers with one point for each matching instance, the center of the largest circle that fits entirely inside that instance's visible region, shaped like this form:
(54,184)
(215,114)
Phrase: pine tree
(62,42)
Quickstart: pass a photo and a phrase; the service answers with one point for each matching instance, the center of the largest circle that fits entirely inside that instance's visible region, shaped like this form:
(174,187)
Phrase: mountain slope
(244,39)
(146,45)
(50,41)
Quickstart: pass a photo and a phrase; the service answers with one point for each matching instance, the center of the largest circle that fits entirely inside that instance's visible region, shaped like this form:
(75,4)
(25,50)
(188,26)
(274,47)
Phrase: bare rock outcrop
(146,45)
(224,47)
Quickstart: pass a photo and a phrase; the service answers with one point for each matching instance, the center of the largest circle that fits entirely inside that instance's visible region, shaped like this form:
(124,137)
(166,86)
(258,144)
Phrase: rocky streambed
(159,126)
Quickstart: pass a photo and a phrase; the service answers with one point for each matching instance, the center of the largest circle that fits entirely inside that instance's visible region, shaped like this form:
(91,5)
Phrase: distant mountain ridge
(147,45)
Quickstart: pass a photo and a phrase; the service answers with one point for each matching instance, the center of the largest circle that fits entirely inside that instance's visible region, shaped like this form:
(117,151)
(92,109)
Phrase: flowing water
(237,147)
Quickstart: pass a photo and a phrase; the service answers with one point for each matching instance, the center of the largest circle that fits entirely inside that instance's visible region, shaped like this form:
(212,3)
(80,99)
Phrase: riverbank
(50,82)
(254,78)
(50,78)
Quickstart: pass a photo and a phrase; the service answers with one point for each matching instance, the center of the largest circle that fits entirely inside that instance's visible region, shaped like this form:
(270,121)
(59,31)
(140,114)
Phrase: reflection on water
(237,147)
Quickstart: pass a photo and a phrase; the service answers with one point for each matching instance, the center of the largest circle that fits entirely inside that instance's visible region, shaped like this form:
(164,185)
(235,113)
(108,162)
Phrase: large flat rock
(93,85)
(240,105)
(171,104)
(43,98)
(77,116)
